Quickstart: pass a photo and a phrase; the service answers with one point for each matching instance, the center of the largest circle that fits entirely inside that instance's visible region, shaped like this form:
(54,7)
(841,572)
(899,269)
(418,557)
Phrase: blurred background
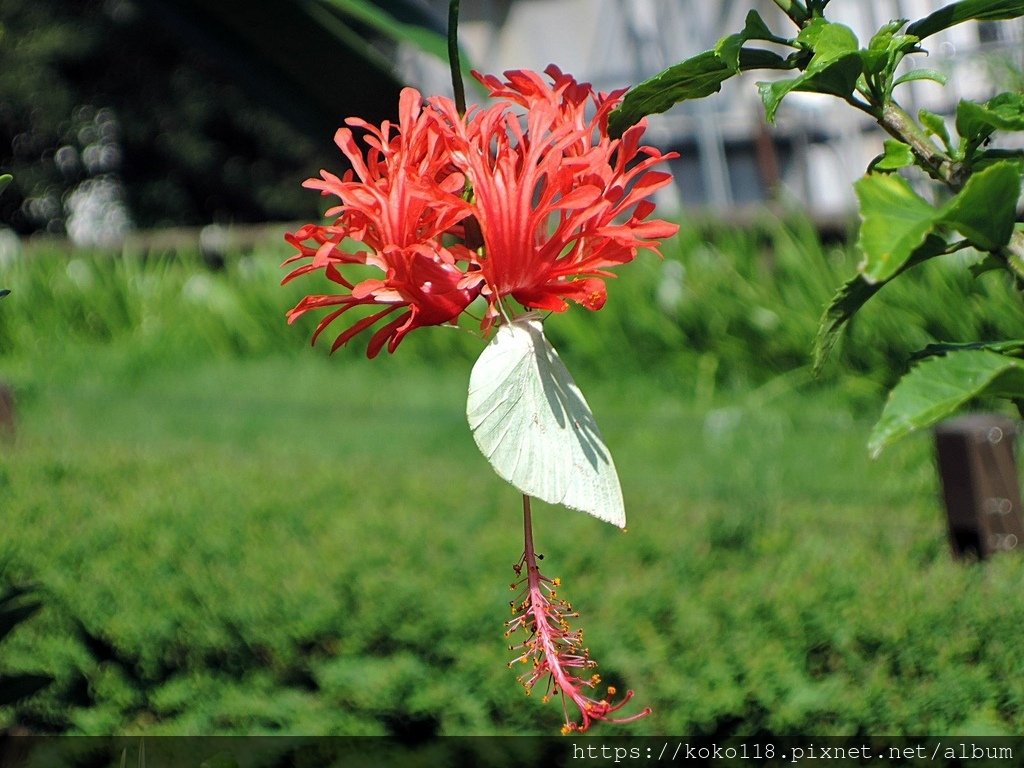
(132,114)
(226,531)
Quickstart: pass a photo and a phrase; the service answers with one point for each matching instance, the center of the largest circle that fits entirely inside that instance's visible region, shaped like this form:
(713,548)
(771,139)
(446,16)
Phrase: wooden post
(979,483)
(6,412)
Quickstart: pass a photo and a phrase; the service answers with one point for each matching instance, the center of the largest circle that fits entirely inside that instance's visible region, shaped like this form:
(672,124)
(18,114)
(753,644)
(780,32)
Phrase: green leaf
(754,28)
(895,221)
(833,69)
(855,294)
(922,74)
(693,78)
(989,263)
(886,46)
(976,122)
(937,387)
(1012,348)
(882,39)
(794,9)
(897,155)
(837,78)
(828,40)
(850,298)
(14,688)
(389,25)
(985,209)
(532,423)
(5,179)
(957,13)
(935,126)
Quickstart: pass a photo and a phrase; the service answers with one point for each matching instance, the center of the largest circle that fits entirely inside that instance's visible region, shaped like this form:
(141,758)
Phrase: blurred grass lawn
(302,545)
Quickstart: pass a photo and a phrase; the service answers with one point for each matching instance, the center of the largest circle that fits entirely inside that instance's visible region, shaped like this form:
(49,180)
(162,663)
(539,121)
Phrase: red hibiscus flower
(396,204)
(533,184)
(549,187)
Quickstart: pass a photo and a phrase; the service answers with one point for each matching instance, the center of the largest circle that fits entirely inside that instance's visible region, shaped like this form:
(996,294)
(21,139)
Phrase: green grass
(236,534)
(290,544)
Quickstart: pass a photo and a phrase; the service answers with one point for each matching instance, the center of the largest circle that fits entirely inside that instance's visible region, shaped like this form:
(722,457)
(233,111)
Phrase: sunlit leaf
(534,426)
(937,387)
(828,40)
(896,155)
(833,69)
(895,221)
(984,211)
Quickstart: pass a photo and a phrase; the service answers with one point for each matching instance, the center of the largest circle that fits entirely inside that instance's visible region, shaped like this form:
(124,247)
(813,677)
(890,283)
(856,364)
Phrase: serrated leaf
(14,688)
(937,387)
(957,13)
(854,294)
(895,222)
(896,155)
(532,423)
(985,209)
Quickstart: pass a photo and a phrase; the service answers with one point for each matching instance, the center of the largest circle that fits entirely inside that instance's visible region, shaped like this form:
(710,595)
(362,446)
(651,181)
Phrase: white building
(730,158)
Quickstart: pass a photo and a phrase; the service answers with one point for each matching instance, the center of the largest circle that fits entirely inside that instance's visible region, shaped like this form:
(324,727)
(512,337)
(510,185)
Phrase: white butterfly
(534,426)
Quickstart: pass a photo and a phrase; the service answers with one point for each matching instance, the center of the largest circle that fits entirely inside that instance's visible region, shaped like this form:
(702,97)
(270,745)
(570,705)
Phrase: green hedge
(726,307)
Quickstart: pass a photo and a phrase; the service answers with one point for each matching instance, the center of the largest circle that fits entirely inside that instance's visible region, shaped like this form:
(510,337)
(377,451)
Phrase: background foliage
(170,115)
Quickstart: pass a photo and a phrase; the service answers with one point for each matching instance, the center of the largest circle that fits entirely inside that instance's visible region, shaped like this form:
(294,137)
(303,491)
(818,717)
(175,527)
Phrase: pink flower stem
(554,648)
